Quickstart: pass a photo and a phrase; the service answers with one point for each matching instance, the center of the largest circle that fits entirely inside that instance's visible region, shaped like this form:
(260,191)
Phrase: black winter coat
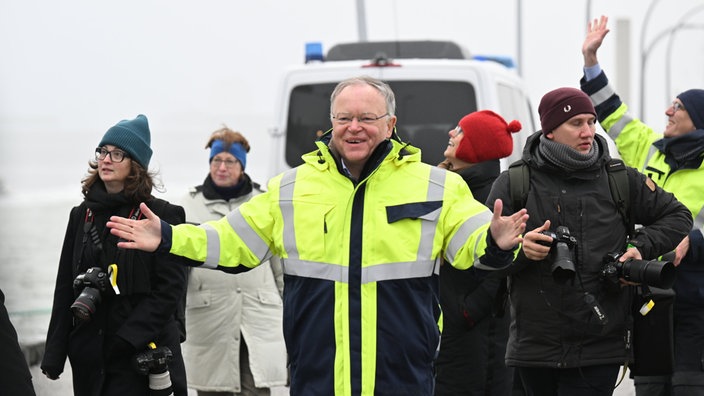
(551,323)
(471,356)
(152,288)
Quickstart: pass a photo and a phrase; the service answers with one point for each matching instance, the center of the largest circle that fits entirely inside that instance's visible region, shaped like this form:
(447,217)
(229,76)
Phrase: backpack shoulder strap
(620,190)
(519,183)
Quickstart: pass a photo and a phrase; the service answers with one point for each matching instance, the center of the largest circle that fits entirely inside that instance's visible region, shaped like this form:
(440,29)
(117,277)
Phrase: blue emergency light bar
(504,60)
(314,52)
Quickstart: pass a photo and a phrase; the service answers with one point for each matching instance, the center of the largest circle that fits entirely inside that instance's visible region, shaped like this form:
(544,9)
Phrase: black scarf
(132,276)
(683,152)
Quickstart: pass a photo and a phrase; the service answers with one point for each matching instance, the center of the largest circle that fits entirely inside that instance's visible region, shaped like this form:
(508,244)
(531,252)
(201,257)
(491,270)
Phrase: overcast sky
(70,69)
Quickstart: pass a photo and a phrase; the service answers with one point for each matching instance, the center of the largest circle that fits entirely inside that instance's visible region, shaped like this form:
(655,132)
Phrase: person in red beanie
(569,332)
(474,329)
(674,160)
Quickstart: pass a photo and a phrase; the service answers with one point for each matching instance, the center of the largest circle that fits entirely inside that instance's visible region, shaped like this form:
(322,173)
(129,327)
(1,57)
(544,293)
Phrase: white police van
(435,82)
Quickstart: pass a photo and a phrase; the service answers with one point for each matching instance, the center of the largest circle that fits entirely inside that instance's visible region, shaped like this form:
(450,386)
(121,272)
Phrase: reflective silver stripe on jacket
(651,152)
(602,95)
(250,238)
(424,265)
(619,125)
(288,181)
(699,221)
(212,257)
(466,229)
(436,190)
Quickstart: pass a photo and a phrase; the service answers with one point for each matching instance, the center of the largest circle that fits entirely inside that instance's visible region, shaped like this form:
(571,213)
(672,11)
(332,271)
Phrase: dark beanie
(559,105)
(133,136)
(693,101)
(485,136)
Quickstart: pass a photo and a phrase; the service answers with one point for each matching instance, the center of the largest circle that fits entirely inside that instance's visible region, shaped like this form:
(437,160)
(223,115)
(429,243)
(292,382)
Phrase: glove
(119,348)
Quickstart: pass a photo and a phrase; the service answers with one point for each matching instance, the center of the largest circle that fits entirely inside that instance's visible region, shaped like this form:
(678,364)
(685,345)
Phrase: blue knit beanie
(133,136)
(693,101)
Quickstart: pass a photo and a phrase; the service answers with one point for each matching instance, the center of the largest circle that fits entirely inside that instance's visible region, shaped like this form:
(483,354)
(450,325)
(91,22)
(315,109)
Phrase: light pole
(361,21)
(644,57)
(668,65)
(519,43)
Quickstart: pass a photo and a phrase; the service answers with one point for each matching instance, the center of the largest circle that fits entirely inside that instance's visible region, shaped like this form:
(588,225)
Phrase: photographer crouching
(570,325)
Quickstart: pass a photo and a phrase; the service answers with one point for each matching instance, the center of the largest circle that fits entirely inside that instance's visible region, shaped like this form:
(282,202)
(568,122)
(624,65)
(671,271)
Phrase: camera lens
(85,305)
(563,268)
(655,273)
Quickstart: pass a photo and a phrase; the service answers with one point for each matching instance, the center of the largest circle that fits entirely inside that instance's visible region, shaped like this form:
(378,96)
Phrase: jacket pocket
(268,297)
(198,299)
(428,210)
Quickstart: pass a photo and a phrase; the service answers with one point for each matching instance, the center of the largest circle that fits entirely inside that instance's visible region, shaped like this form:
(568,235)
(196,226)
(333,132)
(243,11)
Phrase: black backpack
(519,184)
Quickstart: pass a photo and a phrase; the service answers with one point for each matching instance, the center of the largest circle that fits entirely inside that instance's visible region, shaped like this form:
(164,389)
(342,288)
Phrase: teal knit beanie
(133,136)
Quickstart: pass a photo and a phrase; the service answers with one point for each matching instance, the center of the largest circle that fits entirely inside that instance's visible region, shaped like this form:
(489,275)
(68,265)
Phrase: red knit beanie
(485,136)
(559,105)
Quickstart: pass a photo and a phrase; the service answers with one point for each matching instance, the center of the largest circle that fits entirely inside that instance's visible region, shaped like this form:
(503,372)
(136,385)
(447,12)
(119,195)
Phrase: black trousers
(581,381)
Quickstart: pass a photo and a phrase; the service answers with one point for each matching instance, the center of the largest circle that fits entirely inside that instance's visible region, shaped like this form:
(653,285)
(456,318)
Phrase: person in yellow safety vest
(360,228)
(674,160)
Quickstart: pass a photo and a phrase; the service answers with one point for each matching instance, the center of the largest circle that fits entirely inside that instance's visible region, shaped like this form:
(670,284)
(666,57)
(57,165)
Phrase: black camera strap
(90,232)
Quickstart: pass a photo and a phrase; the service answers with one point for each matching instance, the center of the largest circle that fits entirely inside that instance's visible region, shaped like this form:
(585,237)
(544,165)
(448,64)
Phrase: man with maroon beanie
(569,331)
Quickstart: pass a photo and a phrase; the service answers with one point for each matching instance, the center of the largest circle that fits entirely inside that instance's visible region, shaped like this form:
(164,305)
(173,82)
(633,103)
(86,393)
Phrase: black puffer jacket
(472,348)
(151,288)
(551,324)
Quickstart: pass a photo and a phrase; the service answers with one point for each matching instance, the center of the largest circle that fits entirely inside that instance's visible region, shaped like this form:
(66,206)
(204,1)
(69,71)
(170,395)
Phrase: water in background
(30,243)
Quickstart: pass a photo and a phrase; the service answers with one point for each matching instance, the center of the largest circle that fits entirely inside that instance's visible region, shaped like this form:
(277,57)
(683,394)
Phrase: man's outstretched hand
(507,231)
(144,234)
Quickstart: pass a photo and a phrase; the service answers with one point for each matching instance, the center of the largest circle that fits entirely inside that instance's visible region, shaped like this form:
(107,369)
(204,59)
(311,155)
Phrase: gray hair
(383,88)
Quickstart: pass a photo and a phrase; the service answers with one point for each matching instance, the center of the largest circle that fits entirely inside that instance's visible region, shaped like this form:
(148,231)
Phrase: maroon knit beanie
(485,136)
(559,105)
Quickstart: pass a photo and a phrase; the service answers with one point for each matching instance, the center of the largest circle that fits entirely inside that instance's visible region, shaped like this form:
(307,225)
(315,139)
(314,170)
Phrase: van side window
(426,110)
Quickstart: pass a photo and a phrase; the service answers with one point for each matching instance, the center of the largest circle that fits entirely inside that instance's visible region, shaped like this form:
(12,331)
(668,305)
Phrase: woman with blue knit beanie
(109,303)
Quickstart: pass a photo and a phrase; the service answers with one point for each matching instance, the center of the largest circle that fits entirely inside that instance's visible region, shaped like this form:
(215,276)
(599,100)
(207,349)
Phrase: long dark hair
(138,185)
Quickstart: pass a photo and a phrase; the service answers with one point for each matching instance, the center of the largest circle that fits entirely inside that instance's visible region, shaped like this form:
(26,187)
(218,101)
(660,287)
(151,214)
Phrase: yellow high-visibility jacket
(360,261)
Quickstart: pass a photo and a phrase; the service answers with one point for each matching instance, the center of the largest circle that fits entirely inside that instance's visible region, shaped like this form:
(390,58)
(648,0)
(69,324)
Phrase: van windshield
(426,111)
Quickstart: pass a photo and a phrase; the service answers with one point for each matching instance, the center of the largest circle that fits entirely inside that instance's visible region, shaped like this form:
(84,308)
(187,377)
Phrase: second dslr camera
(94,282)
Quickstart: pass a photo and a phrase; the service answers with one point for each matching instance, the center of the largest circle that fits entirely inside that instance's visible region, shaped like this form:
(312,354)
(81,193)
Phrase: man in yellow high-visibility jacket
(674,160)
(360,228)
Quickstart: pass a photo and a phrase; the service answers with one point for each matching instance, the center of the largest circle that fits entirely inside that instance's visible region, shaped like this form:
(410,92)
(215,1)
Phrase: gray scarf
(566,157)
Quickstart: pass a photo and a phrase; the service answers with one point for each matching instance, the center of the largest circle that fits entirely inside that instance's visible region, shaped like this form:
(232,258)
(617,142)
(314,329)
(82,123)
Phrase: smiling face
(357,132)
(678,120)
(453,143)
(113,174)
(577,132)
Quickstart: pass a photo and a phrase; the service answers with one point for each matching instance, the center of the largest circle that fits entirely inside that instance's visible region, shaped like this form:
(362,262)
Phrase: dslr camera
(93,282)
(153,360)
(561,253)
(660,274)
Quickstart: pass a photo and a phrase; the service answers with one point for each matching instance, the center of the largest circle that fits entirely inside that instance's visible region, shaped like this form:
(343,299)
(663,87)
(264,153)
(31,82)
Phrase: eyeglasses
(115,155)
(216,162)
(364,118)
(458,131)
(677,106)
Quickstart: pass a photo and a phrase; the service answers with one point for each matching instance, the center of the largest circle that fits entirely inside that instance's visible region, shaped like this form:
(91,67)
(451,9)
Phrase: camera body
(93,283)
(561,248)
(660,274)
(152,361)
